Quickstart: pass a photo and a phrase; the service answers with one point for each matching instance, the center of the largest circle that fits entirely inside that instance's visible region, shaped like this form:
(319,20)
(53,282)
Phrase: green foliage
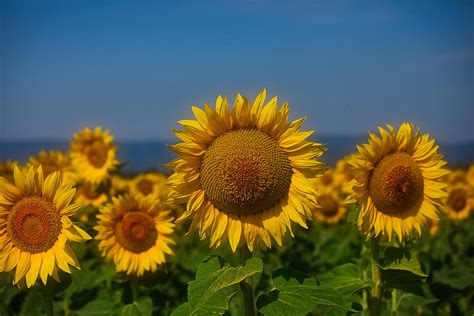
(431,275)
(345,279)
(295,293)
(205,295)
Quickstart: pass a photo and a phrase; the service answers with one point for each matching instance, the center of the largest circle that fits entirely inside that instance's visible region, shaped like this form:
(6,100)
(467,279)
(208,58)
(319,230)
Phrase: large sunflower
(35,228)
(52,161)
(460,201)
(93,155)
(244,174)
(398,181)
(135,233)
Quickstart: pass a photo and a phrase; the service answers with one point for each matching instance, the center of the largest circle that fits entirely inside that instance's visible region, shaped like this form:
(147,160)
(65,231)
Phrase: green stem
(48,301)
(376,293)
(134,286)
(394,300)
(246,286)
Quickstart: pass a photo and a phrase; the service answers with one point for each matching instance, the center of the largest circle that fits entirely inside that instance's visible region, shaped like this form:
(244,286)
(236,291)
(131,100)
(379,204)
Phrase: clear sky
(136,67)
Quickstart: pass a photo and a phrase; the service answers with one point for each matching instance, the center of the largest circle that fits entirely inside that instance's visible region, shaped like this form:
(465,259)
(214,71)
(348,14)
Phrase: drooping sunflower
(398,181)
(331,208)
(93,155)
(460,201)
(35,228)
(135,233)
(244,174)
(89,194)
(52,161)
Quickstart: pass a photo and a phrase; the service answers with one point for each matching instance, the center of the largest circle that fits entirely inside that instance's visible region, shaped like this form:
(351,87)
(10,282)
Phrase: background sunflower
(35,228)
(398,181)
(135,233)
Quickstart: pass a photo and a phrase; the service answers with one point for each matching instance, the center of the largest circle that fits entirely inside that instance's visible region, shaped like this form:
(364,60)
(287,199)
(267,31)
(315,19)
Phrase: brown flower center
(245,172)
(97,153)
(329,205)
(136,232)
(396,184)
(34,224)
(457,199)
(145,186)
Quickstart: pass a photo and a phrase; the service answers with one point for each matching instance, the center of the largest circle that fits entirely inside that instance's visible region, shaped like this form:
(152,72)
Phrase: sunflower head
(90,194)
(119,185)
(244,173)
(93,155)
(135,233)
(35,228)
(331,208)
(52,161)
(456,176)
(459,202)
(149,184)
(398,181)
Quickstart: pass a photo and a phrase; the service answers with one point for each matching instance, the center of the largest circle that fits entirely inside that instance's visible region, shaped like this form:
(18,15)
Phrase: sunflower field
(248,221)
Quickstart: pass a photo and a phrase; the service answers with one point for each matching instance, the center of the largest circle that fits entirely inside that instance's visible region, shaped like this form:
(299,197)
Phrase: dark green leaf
(345,279)
(401,259)
(297,294)
(205,293)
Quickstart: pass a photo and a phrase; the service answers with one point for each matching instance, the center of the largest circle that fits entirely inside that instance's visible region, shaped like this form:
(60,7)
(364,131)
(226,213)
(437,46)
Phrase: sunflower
(328,181)
(397,181)
(151,183)
(135,233)
(245,175)
(93,155)
(460,201)
(456,176)
(90,194)
(35,228)
(343,174)
(119,185)
(6,169)
(52,161)
(470,175)
(331,209)
(433,227)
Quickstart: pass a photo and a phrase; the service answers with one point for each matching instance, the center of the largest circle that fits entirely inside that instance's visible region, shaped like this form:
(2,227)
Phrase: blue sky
(136,67)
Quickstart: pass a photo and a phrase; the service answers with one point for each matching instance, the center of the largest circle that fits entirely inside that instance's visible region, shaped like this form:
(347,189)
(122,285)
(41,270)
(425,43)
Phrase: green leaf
(106,303)
(409,299)
(295,293)
(143,306)
(130,310)
(401,259)
(205,295)
(345,279)
(458,278)
(403,280)
(182,310)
